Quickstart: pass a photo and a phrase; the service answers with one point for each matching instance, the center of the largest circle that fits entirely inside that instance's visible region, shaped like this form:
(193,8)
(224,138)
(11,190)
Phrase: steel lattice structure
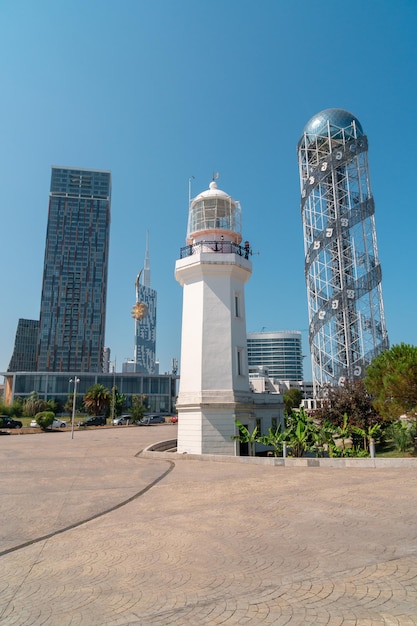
(342,269)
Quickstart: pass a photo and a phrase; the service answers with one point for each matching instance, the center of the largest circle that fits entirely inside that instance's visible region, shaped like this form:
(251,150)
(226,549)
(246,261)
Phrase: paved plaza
(198,543)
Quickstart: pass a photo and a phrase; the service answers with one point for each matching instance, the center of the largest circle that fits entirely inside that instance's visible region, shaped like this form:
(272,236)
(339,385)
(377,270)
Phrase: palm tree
(343,434)
(372,432)
(301,430)
(246,436)
(33,404)
(97,400)
(323,438)
(275,439)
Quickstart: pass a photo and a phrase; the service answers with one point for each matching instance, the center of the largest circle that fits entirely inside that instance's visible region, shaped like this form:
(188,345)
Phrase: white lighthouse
(214,383)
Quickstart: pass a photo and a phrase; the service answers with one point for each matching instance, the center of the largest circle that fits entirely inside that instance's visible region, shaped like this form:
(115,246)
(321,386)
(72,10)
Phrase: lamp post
(74,380)
(113,397)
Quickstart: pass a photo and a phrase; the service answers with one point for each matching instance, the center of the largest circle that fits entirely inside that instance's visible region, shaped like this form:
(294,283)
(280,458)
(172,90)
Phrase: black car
(8,422)
(152,419)
(94,420)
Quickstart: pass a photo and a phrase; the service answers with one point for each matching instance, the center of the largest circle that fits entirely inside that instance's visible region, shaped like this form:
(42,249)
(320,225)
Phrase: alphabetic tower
(342,268)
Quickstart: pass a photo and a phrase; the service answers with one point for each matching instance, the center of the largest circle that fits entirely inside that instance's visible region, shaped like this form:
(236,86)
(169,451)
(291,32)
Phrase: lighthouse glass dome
(214,212)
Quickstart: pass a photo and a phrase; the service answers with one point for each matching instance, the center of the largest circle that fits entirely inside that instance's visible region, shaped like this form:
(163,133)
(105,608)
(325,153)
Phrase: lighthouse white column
(214,385)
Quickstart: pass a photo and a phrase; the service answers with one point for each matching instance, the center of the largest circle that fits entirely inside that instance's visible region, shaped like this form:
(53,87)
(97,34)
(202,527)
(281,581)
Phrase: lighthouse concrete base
(209,428)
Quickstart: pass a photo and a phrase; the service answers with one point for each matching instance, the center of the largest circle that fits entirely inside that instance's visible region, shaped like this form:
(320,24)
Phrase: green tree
(79,403)
(4,409)
(44,419)
(403,435)
(245,436)
(138,407)
(342,434)
(274,439)
(352,399)
(372,432)
(301,431)
(33,405)
(119,400)
(322,436)
(391,379)
(14,410)
(97,400)
(292,399)
(52,405)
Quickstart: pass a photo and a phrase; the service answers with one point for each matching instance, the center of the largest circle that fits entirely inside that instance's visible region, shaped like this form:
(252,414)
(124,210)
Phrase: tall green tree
(119,402)
(391,379)
(97,400)
(292,399)
(138,407)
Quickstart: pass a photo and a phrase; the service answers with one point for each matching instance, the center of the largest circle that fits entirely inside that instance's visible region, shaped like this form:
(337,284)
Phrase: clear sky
(158,91)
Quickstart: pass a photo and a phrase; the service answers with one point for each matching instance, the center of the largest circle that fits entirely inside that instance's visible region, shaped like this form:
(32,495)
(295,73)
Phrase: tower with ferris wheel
(144,314)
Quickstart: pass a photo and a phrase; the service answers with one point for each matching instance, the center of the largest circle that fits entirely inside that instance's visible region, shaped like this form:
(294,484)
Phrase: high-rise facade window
(74,289)
(279,351)
(145,332)
(24,352)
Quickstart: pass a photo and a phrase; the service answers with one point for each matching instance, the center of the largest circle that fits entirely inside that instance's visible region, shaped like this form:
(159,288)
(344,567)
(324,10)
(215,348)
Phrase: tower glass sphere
(342,269)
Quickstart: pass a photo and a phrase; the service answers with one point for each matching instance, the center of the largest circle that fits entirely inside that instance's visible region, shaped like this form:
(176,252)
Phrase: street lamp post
(113,391)
(74,380)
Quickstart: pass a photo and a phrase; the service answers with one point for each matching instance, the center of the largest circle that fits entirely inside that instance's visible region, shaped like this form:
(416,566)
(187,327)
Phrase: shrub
(34,405)
(44,419)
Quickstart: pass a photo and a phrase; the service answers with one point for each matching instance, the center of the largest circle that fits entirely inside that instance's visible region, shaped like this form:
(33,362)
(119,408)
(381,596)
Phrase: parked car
(8,422)
(94,420)
(57,423)
(173,419)
(122,419)
(152,419)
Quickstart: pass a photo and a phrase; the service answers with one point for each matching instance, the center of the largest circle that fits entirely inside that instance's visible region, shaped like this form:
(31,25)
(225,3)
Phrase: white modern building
(214,386)
(279,351)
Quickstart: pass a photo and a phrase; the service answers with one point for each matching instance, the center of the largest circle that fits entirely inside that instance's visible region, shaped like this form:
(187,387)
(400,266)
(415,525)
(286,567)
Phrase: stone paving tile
(217,543)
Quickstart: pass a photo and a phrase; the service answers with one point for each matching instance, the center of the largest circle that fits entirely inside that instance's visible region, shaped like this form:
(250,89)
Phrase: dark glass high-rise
(74,288)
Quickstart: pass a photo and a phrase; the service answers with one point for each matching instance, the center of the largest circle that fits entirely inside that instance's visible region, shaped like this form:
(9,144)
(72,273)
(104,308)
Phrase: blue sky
(158,91)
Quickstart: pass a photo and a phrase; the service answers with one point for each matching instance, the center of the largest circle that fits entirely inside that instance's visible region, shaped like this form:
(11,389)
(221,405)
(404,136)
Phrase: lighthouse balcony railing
(221,247)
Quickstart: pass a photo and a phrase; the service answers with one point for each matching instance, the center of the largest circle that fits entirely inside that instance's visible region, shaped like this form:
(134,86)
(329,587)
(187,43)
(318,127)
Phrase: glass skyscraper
(144,314)
(24,352)
(74,287)
(278,351)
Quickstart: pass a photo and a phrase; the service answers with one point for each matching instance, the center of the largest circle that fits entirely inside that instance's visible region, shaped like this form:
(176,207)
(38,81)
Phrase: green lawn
(389,451)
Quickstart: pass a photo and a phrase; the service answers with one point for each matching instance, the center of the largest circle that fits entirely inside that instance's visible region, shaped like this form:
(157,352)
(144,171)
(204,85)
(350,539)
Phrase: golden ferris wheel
(139,311)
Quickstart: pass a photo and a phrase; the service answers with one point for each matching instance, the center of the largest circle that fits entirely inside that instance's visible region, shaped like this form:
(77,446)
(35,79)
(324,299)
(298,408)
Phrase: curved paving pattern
(220,543)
